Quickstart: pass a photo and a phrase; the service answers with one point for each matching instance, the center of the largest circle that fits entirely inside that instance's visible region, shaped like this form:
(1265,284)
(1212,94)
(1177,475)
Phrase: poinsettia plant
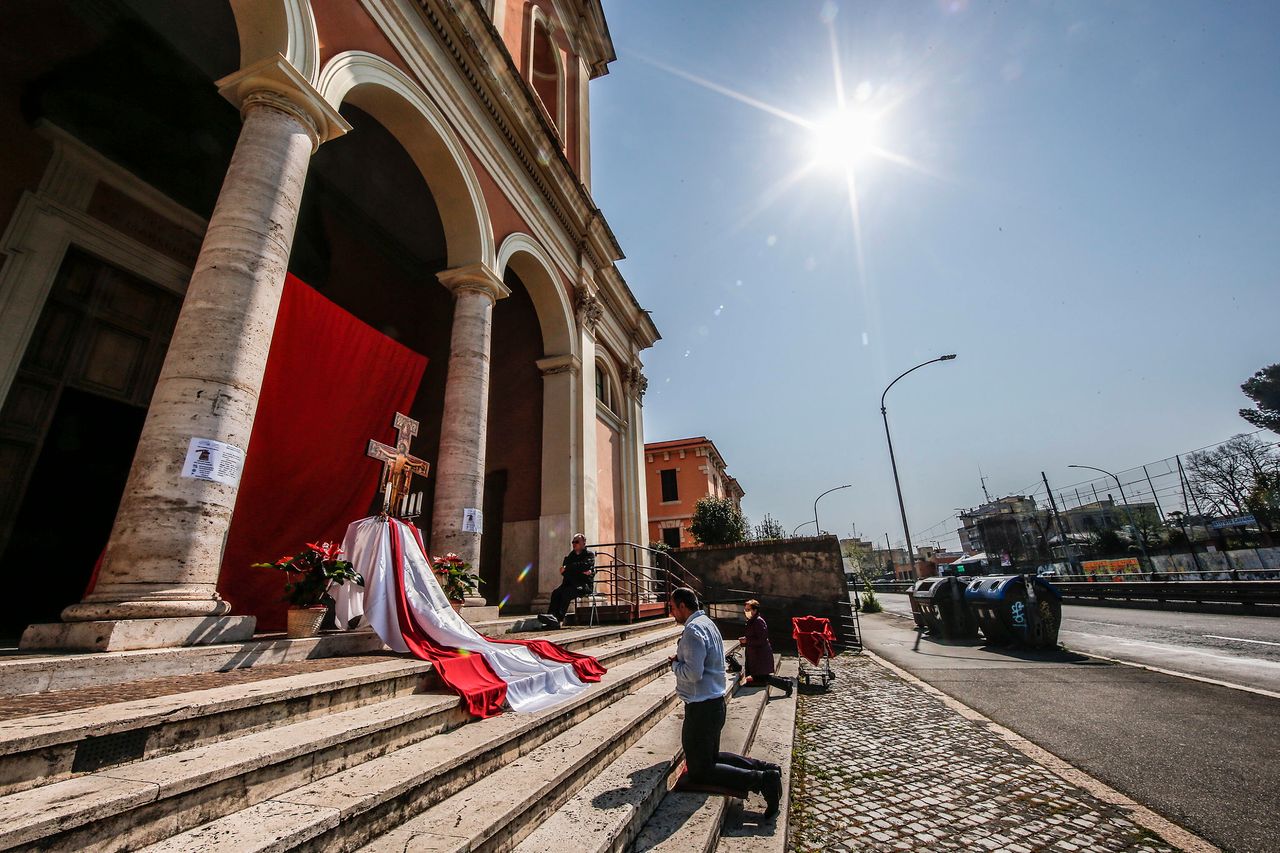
(312,571)
(455,576)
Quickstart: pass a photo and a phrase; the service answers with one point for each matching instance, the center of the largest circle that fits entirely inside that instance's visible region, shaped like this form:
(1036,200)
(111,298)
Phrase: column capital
(588,307)
(275,84)
(637,383)
(553,364)
(474,277)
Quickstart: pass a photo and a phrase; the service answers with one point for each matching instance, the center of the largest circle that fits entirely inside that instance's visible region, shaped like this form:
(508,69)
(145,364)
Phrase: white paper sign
(472,520)
(213,460)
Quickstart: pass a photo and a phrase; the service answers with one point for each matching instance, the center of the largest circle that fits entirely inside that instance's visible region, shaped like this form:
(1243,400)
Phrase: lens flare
(503,602)
(524,573)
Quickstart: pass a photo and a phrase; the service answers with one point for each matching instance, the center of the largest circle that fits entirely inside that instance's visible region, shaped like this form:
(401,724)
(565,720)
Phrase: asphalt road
(1205,756)
(1243,650)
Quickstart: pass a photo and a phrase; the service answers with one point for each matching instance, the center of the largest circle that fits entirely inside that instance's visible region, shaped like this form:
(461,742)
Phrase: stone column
(158,582)
(459,469)
(561,459)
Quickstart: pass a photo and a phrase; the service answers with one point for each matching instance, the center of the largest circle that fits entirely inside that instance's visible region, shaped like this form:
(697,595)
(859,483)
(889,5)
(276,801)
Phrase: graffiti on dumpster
(1019,614)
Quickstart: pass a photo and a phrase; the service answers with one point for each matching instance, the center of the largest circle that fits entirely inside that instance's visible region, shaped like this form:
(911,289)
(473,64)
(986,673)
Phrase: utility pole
(1066,544)
(1154,496)
(982,478)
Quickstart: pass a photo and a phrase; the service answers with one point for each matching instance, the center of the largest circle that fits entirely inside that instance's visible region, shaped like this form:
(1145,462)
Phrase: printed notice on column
(213,460)
(472,520)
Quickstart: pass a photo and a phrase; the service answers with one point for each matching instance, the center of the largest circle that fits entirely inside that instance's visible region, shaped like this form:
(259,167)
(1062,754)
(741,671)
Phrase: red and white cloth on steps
(403,602)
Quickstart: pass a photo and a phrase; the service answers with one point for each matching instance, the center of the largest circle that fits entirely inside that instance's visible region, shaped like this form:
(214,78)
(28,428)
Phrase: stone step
(37,672)
(45,748)
(609,811)
(349,808)
(500,809)
(150,799)
(744,831)
(688,822)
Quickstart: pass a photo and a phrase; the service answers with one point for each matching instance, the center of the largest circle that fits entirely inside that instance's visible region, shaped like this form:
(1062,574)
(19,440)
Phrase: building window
(602,386)
(606,391)
(671,536)
(546,74)
(669,490)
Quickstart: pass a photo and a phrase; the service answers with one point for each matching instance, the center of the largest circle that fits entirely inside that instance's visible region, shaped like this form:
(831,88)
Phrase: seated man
(698,665)
(578,571)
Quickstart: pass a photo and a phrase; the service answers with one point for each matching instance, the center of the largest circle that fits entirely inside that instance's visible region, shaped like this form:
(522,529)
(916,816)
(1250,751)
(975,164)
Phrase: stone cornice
(474,277)
(276,84)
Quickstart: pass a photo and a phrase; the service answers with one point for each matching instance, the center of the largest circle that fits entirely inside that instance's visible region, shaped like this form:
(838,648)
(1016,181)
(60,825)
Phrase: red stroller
(814,641)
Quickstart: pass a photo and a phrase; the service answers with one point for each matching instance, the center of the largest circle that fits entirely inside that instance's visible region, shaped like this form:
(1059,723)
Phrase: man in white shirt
(698,665)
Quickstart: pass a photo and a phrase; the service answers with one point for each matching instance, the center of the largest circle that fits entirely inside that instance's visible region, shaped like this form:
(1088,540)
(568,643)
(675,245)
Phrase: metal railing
(631,579)
(1171,587)
(726,603)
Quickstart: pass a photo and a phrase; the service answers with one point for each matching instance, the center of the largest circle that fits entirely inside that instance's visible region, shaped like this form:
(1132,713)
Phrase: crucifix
(398,468)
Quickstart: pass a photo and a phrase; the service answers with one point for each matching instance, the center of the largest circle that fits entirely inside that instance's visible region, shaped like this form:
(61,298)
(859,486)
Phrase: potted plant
(456,579)
(311,572)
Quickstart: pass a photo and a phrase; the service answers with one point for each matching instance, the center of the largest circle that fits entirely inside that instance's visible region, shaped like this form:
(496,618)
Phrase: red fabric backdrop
(332,383)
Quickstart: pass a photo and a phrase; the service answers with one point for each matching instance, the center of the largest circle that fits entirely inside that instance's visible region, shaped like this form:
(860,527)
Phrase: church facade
(238,238)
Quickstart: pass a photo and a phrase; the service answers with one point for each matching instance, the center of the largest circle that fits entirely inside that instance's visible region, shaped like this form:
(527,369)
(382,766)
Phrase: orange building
(677,474)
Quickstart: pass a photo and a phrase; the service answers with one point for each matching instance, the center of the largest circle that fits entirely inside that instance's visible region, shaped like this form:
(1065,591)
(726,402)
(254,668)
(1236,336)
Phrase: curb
(1144,817)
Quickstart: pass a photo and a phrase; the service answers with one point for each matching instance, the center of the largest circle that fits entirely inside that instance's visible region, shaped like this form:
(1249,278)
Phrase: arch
(285,27)
(386,93)
(607,375)
(530,261)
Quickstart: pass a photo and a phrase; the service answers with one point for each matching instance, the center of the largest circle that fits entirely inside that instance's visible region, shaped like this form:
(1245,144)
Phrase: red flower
(327,550)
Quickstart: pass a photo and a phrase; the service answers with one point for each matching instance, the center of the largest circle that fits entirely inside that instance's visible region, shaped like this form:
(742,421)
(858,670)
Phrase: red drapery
(331,384)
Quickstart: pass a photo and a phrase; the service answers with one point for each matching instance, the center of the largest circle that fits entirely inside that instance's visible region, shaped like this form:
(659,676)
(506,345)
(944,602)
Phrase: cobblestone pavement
(87,697)
(882,765)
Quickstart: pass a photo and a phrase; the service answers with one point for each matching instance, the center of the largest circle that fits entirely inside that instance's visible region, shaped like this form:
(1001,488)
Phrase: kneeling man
(698,665)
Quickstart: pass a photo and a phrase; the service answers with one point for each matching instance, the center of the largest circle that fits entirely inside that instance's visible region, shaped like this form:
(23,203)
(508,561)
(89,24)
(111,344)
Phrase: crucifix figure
(398,468)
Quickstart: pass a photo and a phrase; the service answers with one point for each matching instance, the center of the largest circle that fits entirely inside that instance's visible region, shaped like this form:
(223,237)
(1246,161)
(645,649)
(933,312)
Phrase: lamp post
(1142,539)
(816,528)
(902,507)
(798,526)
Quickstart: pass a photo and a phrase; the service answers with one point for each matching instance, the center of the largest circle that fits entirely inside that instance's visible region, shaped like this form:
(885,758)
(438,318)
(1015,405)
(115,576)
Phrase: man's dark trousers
(563,595)
(707,764)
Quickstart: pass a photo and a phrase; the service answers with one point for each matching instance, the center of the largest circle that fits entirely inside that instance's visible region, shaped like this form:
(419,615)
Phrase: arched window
(606,389)
(546,72)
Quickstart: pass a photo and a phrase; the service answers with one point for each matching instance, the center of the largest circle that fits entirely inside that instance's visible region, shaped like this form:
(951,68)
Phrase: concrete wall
(790,577)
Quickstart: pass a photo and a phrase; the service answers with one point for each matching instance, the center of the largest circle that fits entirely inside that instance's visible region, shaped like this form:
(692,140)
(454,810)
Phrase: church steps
(137,803)
(685,821)
(773,742)
(42,748)
(347,809)
(497,811)
(38,672)
(607,814)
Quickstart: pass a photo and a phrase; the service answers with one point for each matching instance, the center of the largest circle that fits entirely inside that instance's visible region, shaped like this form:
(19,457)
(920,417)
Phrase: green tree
(717,521)
(1264,389)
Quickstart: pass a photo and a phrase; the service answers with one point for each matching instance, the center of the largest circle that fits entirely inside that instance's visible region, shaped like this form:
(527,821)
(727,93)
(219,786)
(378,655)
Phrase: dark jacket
(579,569)
(759,652)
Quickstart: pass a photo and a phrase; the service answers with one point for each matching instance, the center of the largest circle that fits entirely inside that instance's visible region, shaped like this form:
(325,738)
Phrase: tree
(770,528)
(1236,477)
(1264,389)
(717,521)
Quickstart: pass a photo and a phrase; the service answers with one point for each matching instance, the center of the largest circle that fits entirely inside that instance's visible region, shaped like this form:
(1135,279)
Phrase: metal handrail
(634,575)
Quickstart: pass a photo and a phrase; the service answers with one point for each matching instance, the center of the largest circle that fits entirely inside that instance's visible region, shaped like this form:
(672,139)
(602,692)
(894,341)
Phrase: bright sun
(846,139)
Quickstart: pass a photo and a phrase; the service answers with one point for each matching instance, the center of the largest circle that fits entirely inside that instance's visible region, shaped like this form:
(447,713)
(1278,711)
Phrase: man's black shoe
(791,685)
(548,620)
(772,793)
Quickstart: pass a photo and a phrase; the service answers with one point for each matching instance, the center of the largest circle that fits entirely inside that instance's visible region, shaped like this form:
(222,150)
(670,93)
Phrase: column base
(124,634)
(480,614)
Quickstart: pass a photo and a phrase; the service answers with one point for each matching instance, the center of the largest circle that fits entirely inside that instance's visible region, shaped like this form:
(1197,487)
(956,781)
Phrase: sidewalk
(881,764)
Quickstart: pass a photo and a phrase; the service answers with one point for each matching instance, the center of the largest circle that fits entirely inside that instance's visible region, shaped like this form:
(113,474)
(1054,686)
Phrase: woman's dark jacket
(759,652)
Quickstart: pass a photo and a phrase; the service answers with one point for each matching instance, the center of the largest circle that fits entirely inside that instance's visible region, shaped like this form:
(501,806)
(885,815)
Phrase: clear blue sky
(1081,199)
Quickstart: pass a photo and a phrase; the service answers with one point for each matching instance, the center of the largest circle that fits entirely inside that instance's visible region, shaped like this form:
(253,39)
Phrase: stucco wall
(790,577)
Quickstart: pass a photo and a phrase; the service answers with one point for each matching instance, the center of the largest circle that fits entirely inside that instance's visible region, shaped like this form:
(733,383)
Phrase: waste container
(1020,609)
(942,608)
(917,594)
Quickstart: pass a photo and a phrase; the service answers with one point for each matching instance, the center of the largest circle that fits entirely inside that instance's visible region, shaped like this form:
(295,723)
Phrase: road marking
(1180,650)
(1239,640)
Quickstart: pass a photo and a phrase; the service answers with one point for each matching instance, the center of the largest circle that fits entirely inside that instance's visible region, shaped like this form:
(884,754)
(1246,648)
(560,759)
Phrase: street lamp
(1142,539)
(902,508)
(798,526)
(817,529)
